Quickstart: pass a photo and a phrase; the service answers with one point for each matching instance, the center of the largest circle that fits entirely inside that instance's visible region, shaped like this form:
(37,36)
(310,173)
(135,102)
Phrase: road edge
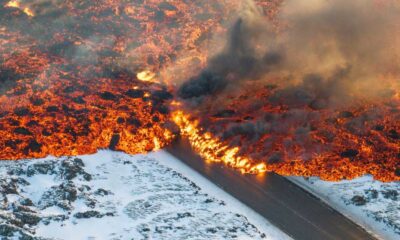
(362,224)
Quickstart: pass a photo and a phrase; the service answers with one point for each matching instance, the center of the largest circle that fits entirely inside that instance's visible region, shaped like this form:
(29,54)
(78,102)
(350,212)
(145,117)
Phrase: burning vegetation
(310,92)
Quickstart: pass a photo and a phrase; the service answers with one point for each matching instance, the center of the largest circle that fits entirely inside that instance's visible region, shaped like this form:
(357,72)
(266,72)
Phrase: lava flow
(211,148)
(78,76)
(312,100)
(251,133)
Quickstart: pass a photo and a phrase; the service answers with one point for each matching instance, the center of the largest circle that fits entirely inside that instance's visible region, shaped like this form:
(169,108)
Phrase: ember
(286,94)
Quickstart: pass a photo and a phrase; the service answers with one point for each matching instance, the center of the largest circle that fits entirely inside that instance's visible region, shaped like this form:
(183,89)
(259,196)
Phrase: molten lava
(248,131)
(71,79)
(16,4)
(213,149)
(146,76)
(78,76)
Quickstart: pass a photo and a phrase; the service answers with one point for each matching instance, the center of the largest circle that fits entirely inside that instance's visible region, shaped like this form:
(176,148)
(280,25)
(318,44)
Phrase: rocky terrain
(113,195)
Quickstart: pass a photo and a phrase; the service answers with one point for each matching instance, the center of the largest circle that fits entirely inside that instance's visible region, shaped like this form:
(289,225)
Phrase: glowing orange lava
(17,4)
(101,77)
(211,148)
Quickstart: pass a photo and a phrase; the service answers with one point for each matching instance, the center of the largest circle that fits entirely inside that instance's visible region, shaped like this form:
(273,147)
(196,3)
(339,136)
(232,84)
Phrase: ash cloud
(330,53)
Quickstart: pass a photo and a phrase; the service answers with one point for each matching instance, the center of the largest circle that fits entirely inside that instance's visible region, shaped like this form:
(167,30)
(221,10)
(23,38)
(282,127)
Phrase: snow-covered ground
(372,204)
(112,195)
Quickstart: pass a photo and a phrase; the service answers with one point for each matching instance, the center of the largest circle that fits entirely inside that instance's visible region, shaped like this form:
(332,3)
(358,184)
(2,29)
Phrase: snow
(371,204)
(113,195)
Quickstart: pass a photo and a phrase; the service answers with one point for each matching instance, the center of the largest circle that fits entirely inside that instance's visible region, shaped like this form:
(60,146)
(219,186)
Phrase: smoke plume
(338,51)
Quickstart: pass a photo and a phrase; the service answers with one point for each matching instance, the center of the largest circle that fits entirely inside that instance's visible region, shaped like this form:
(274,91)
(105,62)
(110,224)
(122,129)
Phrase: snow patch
(371,204)
(112,195)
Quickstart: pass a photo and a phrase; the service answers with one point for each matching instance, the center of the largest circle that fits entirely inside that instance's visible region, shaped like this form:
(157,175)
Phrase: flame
(211,148)
(13,4)
(16,4)
(28,12)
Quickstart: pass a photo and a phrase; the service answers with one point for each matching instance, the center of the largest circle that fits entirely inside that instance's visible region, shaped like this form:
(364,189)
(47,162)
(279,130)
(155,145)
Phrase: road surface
(287,206)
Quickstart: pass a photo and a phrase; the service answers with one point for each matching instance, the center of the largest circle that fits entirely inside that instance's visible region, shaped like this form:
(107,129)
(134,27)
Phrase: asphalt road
(287,206)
